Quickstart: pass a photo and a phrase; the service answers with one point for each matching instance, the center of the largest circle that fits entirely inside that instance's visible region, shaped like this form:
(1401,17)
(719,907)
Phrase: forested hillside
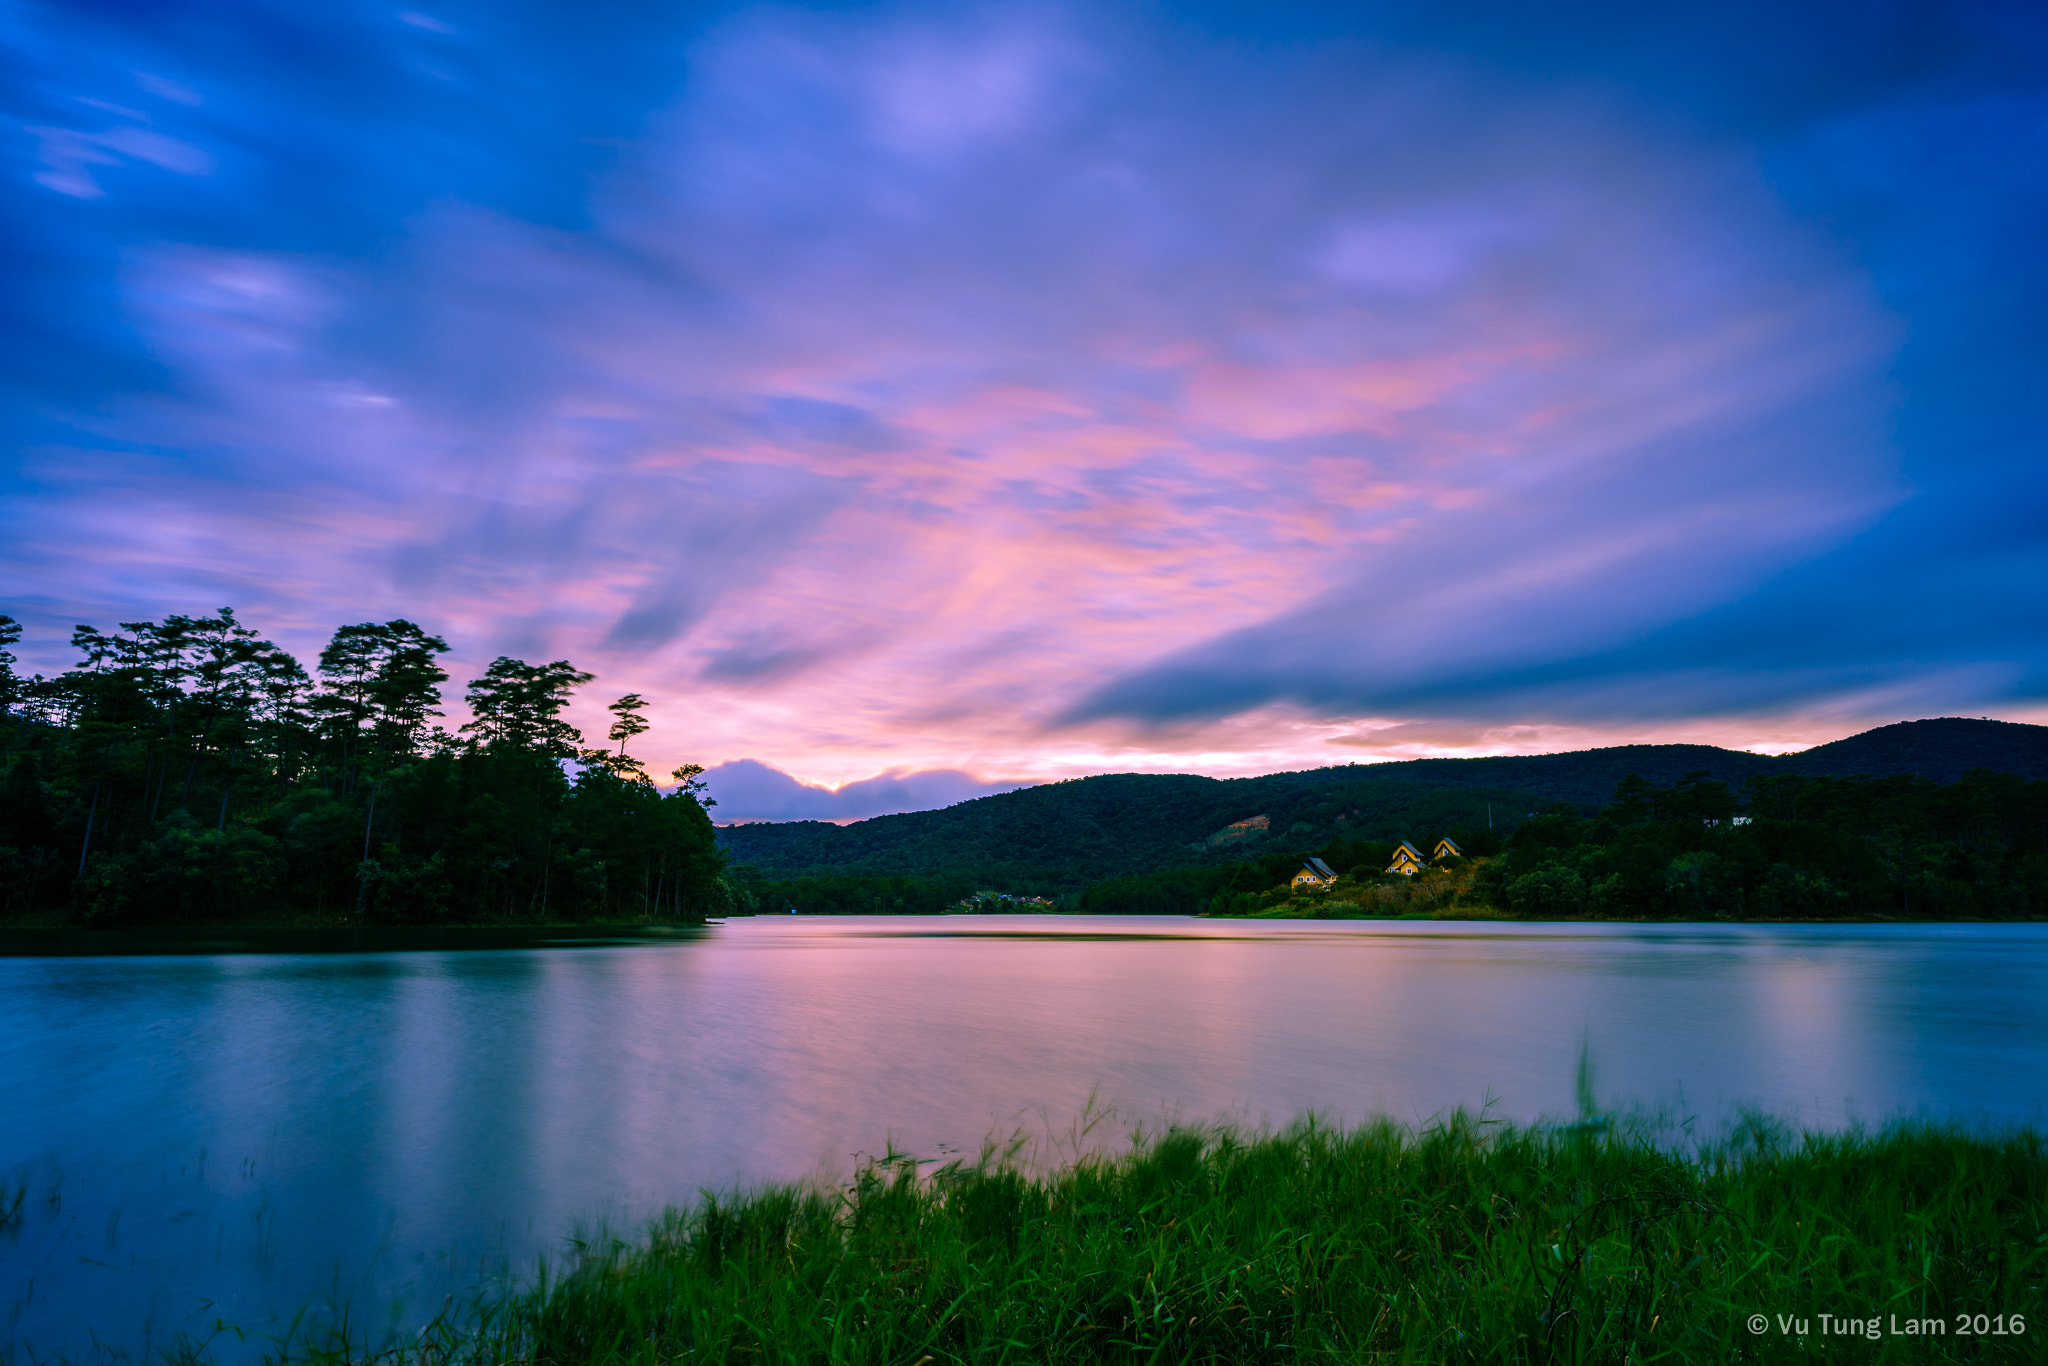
(1062,836)
(189,771)
(1942,750)
(1163,841)
(1788,846)
(1077,832)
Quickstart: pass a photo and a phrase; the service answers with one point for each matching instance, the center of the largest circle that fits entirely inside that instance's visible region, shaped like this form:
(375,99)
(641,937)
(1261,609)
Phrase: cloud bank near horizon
(1041,392)
(749,790)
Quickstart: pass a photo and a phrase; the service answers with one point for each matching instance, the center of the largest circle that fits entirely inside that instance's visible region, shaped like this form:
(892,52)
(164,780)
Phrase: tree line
(188,770)
(1251,886)
(1788,846)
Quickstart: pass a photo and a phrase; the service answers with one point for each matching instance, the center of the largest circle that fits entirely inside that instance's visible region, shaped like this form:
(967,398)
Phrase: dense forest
(1791,846)
(1059,838)
(1925,837)
(189,771)
(1795,846)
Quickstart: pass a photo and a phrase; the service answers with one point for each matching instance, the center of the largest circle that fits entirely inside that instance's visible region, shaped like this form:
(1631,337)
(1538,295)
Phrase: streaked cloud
(1022,393)
(70,155)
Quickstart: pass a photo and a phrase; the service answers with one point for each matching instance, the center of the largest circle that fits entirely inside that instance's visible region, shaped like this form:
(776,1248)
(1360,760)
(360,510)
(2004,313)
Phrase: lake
(241,1137)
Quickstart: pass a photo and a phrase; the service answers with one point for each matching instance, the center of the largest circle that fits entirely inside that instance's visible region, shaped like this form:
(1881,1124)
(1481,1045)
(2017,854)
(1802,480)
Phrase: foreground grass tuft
(1465,1242)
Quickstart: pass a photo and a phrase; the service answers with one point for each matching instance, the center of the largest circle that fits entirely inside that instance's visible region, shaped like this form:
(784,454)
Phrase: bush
(1552,893)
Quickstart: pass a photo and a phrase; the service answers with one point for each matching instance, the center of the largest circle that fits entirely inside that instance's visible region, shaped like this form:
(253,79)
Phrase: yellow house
(1314,873)
(1445,848)
(1408,860)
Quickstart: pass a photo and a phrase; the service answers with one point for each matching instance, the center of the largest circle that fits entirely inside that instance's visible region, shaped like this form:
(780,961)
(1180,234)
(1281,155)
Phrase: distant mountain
(1584,777)
(749,790)
(1943,750)
(1063,836)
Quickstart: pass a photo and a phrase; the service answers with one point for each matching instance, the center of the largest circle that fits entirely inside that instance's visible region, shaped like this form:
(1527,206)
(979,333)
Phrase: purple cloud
(1023,393)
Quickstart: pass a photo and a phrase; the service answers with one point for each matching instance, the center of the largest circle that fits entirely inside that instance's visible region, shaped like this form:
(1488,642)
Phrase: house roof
(1319,868)
(1412,850)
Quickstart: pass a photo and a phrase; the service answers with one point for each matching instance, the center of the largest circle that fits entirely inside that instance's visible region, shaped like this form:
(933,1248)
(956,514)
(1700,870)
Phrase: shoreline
(62,941)
(1460,1240)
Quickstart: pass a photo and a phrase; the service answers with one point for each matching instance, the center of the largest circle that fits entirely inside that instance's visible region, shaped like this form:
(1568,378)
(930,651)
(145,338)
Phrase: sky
(935,398)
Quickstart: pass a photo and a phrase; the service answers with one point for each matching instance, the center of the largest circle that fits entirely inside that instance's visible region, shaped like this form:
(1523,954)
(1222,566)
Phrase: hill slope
(1062,836)
(1943,750)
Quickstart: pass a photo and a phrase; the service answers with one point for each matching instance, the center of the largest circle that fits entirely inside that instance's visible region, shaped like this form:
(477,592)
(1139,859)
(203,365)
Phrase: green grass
(1465,1242)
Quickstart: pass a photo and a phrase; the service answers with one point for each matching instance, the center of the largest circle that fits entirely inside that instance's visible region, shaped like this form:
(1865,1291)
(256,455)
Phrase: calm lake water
(240,1137)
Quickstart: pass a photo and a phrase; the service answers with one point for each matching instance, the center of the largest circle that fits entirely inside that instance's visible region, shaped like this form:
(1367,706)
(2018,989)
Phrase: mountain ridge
(1059,836)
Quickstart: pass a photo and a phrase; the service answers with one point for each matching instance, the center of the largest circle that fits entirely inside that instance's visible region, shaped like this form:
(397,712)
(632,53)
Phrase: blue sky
(1031,391)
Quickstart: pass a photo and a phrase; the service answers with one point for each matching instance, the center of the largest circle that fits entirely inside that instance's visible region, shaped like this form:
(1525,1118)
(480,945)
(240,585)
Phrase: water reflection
(237,1135)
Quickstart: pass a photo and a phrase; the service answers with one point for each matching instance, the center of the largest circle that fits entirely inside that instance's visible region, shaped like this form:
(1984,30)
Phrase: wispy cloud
(1029,392)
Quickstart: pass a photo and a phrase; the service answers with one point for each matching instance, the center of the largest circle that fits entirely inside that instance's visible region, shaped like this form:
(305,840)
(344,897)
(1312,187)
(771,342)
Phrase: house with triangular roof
(1314,873)
(1408,860)
(1446,848)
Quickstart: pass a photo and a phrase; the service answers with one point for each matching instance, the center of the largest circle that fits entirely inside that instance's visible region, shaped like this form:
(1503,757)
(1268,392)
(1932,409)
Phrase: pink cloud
(920,398)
